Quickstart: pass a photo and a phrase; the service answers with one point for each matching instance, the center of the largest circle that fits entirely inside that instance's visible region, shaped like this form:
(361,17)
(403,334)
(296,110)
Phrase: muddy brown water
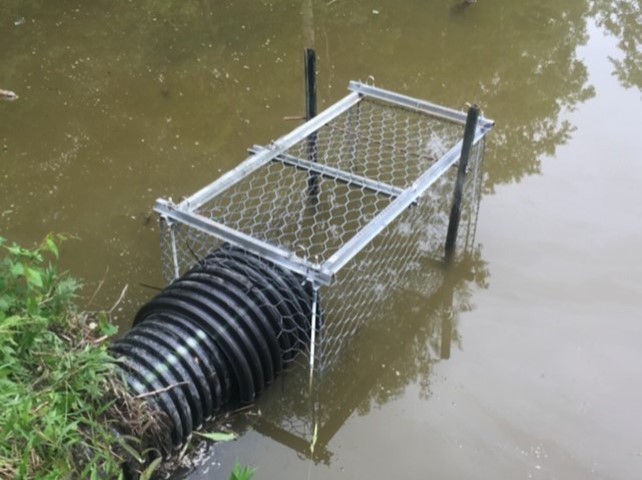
(124,102)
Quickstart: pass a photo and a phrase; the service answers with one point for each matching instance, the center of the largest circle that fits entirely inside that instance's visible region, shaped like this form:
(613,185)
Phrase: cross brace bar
(334,173)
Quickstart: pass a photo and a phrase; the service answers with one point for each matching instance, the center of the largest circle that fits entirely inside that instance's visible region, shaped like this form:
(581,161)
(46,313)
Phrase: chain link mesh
(380,150)
(400,271)
(310,201)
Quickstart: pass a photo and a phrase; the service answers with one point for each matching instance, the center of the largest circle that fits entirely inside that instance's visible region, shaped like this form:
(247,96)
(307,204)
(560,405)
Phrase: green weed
(64,412)
(53,374)
(240,472)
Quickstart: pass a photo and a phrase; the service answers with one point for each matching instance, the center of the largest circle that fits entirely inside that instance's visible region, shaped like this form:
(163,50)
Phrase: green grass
(63,412)
(240,472)
(53,373)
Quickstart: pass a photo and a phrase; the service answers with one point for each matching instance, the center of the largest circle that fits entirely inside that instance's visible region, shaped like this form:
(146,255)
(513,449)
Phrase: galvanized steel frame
(334,173)
(185,212)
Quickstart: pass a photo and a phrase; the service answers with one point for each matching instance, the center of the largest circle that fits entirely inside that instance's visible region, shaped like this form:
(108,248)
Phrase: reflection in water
(530,60)
(383,359)
(149,99)
(410,311)
(623,20)
(124,102)
(519,60)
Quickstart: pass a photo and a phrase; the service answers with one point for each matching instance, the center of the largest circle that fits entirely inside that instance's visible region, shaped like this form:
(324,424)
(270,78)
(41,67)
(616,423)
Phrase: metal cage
(355,202)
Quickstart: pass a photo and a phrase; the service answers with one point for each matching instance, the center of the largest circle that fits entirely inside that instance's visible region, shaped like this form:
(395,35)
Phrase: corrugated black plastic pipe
(215,337)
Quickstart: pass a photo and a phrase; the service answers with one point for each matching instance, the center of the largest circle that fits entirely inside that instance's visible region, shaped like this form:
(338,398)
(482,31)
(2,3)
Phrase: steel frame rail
(322,273)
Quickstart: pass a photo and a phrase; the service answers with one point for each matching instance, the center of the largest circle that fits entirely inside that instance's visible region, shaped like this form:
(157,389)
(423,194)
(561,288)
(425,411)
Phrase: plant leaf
(33,277)
(242,473)
(149,471)
(107,328)
(51,245)
(17,269)
(129,449)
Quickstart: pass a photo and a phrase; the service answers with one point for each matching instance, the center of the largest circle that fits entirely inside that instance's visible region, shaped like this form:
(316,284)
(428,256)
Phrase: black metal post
(310,83)
(311,112)
(455,212)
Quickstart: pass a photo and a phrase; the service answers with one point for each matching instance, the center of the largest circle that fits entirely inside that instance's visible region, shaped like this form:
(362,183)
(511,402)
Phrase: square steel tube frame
(334,173)
(321,273)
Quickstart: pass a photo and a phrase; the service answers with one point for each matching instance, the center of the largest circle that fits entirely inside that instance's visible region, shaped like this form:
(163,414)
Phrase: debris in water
(8,95)
(218,436)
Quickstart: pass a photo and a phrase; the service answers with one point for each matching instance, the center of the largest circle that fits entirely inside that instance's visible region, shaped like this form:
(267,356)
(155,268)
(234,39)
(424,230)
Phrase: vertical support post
(313,333)
(310,83)
(312,391)
(455,212)
(311,112)
(172,236)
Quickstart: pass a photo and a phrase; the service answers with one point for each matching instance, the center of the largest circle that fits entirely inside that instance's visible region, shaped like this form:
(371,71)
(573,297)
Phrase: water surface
(121,103)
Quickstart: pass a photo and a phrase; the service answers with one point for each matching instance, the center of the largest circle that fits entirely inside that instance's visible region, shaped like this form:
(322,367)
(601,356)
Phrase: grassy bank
(64,412)
(61,404)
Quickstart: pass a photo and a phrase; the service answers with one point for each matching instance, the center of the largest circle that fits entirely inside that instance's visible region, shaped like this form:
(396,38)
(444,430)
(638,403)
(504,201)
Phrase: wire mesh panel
(398,289)
(347,204)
